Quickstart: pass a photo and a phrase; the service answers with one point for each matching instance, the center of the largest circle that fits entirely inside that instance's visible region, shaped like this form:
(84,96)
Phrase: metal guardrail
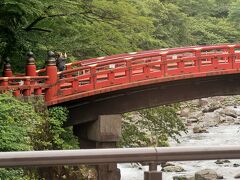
(121,155)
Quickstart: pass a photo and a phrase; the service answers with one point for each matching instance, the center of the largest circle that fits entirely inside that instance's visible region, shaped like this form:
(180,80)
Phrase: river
(221,135)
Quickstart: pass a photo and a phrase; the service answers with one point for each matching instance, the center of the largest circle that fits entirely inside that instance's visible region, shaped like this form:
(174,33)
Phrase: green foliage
(151,127)
(102,27)
(22,129)
(17,121)
(61,138)
(50,134)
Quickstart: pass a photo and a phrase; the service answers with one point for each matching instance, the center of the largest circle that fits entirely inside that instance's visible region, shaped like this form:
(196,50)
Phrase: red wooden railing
(111,73)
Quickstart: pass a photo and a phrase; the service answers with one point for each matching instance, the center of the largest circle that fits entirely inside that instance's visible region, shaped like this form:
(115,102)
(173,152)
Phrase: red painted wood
(111,73)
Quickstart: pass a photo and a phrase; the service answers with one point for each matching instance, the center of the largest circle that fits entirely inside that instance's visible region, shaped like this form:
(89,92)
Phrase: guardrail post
(153,174)
(51,71)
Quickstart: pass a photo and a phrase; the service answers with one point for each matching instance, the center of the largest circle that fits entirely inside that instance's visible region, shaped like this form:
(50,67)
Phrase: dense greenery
(102,27)
(24,128)
(91,28)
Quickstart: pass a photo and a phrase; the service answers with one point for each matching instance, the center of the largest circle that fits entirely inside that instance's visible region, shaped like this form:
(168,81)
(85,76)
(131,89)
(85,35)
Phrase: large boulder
(207,174)
(229,112)
(211,119)
(212,107)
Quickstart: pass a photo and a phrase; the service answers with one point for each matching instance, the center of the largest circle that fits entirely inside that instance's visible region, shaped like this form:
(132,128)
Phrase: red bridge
(126,82)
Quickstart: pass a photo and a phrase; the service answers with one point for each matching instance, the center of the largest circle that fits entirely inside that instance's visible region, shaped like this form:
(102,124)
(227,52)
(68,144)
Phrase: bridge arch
(118,102)
(127,82)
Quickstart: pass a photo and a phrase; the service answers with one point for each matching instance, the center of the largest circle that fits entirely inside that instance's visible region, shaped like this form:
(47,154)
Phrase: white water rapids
(217,136)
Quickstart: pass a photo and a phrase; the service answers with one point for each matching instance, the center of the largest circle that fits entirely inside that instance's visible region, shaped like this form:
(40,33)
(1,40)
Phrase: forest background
(93,28)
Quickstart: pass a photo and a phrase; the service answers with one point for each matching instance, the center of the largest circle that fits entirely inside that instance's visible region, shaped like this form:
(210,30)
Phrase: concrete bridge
(97,90)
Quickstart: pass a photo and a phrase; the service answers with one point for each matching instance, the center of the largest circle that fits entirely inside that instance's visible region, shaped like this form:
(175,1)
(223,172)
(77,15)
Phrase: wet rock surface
(207,174)
(174,168)
(220,117)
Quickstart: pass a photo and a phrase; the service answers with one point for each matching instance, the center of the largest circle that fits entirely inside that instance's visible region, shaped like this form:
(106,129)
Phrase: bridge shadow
(87,109)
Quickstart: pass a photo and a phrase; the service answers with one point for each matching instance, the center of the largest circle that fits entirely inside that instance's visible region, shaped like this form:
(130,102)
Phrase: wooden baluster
(4,83)
(198,56)
(231,58)
(27,82)
(93,77)
(38,91)
(129,70)
(181,66)
(111,76)
(164,66)
(75,84)
(146,70)
(68,67)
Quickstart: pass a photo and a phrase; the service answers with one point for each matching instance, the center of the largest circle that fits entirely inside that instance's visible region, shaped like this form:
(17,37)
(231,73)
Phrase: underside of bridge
(88,109)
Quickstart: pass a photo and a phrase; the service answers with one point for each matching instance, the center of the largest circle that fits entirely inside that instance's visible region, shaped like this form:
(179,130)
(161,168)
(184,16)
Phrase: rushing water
(222,135)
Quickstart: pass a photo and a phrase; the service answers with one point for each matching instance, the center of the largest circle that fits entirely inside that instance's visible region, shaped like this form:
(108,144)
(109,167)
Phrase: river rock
(192,120)
(222,161)
(212,107)
(203,102)
(185,112)
(174,168)
(229,112)
(211,119)
(183,177)
(236,165)
(165,164)
(207,174)
(199,129)
(196,114)
(237,176)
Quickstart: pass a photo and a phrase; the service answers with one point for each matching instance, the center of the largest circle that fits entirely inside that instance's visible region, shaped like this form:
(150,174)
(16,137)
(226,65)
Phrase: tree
(22,128)
(18,120)
(151,127)
(82,28)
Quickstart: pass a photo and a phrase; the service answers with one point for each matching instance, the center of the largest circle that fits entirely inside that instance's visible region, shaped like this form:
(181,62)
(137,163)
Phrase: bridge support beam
(102,133)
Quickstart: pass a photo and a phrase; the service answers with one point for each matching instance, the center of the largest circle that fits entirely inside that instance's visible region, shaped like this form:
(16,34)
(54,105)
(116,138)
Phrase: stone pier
(102,133)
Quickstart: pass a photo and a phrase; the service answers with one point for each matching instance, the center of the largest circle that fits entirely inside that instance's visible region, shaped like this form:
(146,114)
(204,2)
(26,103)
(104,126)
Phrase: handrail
(117,155)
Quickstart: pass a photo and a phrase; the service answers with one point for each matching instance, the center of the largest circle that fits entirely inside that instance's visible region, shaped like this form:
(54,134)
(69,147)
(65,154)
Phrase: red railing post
(30,67)
(51,71)
(7,70)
